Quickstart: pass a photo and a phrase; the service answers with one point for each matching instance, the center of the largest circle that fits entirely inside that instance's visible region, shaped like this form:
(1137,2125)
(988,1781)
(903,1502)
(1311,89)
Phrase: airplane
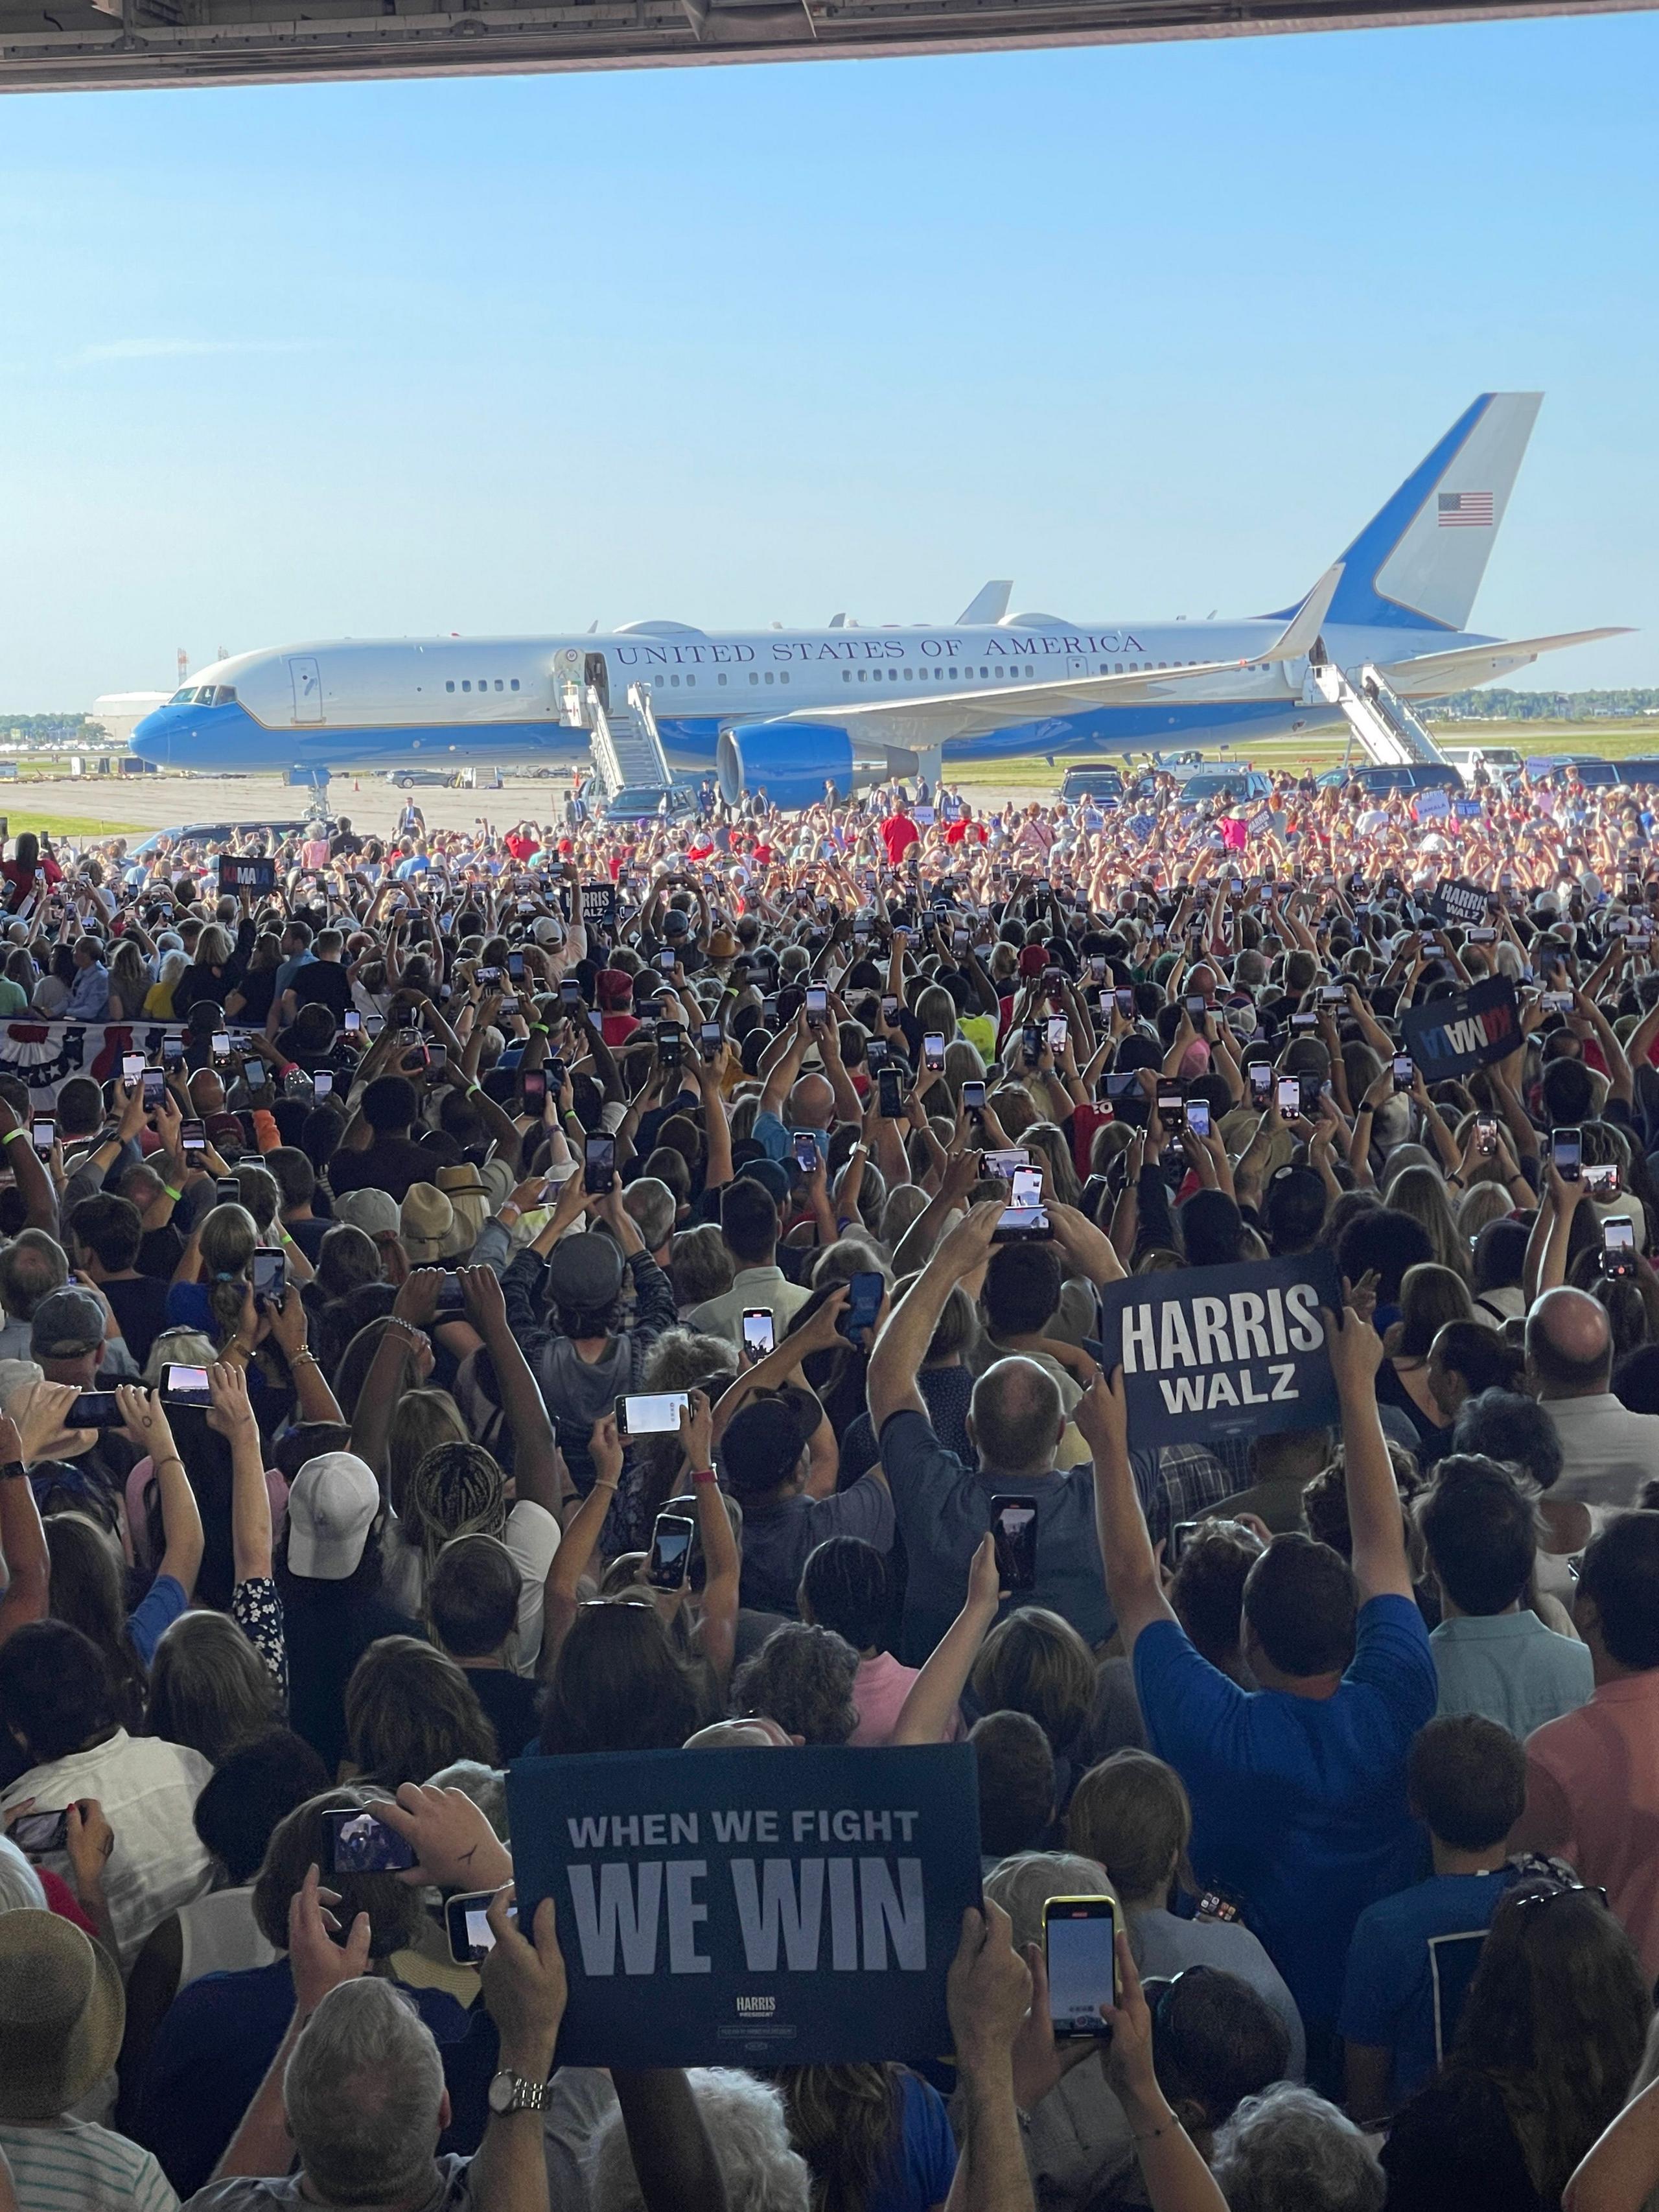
(790,712)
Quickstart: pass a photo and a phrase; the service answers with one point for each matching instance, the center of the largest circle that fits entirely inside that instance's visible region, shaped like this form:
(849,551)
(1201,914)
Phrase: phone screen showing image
(186,1386)
(759,1332)
(1057,1032)
(1013,1529)
(360,1844)
(973,1097)
(1290,1097)
(891,1093)
(270,1275)
(43,1134)
(1261,1081)
(671,1551)
(863,1304)
(1567,1150)
(533,1086)
(600,1165)
(1198,1116)
(932,1051)
(1078,1936)
(1404,1072)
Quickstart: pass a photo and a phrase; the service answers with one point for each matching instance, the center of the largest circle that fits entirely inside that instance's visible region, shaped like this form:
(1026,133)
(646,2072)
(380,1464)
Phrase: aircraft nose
(152,740)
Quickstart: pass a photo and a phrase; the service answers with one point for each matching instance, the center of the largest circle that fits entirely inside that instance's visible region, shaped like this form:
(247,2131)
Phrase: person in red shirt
(958,833)
(19,875)
(521,843)
(898,834)
(615,995)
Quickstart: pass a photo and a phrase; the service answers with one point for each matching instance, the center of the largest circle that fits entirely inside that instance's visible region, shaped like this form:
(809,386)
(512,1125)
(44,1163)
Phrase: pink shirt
(1593,1796)
(879,1691)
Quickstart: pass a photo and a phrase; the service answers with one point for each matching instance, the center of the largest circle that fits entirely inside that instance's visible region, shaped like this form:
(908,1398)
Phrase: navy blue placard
(750,1907)
(1222,1351)
(1449,1035)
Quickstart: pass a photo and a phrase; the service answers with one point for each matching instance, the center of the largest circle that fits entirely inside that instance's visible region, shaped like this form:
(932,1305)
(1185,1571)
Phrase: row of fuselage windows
(869,675)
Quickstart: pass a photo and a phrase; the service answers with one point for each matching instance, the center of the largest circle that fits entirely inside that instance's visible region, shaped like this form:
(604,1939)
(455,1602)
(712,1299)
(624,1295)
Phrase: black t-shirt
(322,983)
(329,1627)
(509,1703)
(139,1303)
(391,1164)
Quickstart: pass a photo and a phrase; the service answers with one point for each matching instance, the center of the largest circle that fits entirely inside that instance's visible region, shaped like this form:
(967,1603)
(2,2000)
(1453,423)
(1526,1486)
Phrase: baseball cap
(330,1510)
(374,1212)
(67,1323)
(428,1218)
(771,1175)
(585,1272)
(614,987)
(675,922)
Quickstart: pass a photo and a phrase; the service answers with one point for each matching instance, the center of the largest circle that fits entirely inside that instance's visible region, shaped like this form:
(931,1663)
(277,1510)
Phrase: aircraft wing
(1429,674)
(918,723)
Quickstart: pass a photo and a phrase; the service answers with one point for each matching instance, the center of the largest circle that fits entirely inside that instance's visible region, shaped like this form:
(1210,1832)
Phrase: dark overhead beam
(147,43)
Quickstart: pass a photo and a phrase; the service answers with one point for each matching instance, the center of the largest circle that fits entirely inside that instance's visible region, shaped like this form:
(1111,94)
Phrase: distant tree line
(1495,704)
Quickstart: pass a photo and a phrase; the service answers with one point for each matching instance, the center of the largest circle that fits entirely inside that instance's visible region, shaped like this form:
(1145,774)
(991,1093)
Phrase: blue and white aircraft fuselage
(787,711)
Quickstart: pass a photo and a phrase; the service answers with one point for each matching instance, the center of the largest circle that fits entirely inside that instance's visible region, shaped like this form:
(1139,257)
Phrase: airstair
(1382,722)
(627,749)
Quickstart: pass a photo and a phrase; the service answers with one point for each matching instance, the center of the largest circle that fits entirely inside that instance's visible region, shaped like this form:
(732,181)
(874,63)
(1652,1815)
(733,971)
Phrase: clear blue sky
(1151,329)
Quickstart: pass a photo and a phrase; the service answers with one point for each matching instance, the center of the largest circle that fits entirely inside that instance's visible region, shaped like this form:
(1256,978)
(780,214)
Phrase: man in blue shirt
(88,998)
(1413,1956)
(1298,1788)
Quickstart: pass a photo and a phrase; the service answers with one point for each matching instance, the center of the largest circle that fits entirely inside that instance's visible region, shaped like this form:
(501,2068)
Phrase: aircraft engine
(789,762)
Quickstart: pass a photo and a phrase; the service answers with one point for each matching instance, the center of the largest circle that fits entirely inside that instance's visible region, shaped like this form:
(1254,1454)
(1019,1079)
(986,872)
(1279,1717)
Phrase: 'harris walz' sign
(1448,1036)
(1222,1351)
(750,1907)
(1460,901)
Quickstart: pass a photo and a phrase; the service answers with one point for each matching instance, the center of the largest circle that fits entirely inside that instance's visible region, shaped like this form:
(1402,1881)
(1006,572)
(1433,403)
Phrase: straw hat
(62,2013)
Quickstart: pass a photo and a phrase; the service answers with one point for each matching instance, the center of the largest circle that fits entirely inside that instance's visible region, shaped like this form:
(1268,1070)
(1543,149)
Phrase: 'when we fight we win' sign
(746,1907)
(1223,1352)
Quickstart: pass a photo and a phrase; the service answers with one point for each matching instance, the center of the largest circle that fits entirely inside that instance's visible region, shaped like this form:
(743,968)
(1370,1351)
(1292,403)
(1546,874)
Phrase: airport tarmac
(131,805)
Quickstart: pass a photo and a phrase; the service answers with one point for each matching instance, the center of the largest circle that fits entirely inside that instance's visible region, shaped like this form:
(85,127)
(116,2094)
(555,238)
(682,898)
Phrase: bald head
(1016,1417)
(811,1104)
(1569,1345)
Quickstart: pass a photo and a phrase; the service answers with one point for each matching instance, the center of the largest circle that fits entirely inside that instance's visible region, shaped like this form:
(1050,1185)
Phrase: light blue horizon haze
(1150,329)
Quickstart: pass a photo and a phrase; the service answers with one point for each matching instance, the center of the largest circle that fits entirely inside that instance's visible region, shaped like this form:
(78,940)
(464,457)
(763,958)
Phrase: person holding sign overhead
(1298,1788)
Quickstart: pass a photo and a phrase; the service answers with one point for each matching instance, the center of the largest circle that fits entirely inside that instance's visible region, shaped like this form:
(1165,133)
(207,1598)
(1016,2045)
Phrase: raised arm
(535,1448)
(925,1716)
(720,1545)
(582,1538)
(1133,1582)
(1381,1567)
(901,1348)
(147,1428)
(250,1501)
(22,1539)
(412,1314)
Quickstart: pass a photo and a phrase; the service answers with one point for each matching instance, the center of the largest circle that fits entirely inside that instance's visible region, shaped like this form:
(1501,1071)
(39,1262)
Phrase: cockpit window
(184,698)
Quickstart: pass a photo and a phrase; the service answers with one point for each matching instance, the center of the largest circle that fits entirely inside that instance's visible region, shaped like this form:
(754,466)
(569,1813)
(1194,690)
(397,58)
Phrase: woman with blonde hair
(1132,1813)
(1420,1192)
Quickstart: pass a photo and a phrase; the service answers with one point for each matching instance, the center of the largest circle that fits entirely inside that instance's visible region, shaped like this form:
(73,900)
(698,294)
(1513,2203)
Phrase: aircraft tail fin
(989,604)
(1418,561)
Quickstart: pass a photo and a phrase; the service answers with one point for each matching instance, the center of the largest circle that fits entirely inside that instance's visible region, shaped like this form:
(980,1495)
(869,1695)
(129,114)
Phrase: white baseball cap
(330,1510)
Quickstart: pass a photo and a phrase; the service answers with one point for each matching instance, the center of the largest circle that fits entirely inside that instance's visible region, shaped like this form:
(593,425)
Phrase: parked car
(1378,778)
(1640,769)
(1581,767)
(1247,786)
(1105,784)
(219,833)
(1501,762)
(641,803)
(405,779)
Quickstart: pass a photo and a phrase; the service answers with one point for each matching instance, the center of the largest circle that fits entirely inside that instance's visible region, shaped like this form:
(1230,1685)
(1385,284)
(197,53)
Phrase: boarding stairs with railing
(1380,720)
(627,749)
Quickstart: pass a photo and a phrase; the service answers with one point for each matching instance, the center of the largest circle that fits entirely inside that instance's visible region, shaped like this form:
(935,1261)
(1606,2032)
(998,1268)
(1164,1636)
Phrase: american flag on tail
(1465,510)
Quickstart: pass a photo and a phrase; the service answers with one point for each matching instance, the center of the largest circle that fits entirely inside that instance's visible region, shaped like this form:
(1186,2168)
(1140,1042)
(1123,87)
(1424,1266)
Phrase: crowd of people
(575,1289)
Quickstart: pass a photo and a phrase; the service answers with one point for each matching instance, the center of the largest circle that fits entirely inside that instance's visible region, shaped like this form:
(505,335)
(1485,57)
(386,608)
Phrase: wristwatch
(511,2093)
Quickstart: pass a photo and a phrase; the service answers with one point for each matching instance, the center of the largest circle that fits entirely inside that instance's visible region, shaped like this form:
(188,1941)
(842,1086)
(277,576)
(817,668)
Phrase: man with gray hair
(1608,1452)
(32,1267)
(357,2086)
(652,1206)
(1015,1422)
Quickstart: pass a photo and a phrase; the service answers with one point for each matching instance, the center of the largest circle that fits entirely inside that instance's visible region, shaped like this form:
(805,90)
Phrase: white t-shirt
(148,1790)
